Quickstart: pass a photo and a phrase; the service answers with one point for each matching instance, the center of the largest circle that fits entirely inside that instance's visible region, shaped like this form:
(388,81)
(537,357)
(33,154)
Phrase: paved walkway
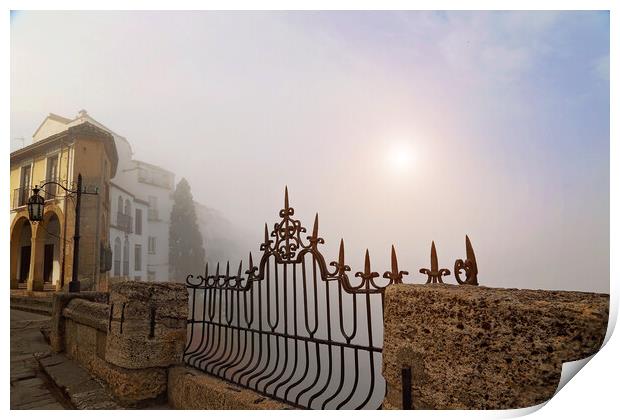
(30,388)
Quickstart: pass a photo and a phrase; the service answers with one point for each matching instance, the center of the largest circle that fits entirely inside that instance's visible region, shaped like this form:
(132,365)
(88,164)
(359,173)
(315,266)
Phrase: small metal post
(74,284)
(406,388)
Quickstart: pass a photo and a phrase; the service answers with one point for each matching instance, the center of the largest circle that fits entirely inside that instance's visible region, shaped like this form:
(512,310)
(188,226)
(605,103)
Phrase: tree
(186,254)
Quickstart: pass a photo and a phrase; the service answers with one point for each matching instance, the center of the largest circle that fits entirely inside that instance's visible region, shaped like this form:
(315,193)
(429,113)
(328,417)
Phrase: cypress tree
(186,253)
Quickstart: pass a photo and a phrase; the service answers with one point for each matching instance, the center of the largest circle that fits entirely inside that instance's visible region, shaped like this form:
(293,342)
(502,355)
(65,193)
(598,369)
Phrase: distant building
(140,202)
(42,253)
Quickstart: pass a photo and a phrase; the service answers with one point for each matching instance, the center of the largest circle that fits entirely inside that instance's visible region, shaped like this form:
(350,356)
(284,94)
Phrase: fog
(396,127)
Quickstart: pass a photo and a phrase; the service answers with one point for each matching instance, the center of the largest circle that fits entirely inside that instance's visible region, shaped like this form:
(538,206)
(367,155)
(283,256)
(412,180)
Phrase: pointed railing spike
(206,269)
(434,260)
(341,252)
(315,227)
(240,268)
(227,268)
(286,206)
(217,269)
(367,262)
(469,250)
(394,261)
(266,233)
(251,263)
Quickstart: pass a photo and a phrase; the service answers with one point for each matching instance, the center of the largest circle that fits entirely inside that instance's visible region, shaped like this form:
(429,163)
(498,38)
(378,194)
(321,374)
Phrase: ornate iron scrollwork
(435,273)
(469,266)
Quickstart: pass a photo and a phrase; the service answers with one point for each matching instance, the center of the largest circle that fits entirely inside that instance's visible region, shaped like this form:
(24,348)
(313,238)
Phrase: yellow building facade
(42,252)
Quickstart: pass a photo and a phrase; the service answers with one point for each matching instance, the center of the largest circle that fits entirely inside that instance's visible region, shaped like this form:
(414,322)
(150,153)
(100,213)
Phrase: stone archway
(21,252)
(48,250)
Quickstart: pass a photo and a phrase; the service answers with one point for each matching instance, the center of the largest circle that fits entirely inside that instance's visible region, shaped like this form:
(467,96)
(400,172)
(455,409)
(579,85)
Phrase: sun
(400,156)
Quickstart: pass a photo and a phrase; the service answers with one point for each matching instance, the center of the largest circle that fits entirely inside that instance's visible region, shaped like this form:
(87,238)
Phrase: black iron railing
(293,327)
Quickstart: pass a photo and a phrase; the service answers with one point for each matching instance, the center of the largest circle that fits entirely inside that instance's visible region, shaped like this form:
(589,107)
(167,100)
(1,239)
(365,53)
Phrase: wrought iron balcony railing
(20,196)
(124,222)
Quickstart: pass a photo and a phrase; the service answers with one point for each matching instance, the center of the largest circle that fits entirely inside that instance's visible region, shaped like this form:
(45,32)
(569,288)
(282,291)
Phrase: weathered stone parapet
(189,389)
(148,324)
(88,313)
(128,338)
(132,387)
(57,321)
(482,348)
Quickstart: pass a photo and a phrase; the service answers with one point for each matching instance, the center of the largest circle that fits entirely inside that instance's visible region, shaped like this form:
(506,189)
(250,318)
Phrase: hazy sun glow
(400,157)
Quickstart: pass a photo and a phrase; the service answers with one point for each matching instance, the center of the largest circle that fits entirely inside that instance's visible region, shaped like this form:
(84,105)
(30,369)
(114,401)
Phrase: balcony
(152,215)
(124,222)
(49,192)
(20,196)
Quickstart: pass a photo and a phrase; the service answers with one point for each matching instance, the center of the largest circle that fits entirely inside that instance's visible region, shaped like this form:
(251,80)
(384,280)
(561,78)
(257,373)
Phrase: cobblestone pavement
(30,388)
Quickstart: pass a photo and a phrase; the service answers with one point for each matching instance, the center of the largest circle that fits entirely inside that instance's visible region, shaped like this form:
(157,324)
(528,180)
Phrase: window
(126,258)
(151,244)
(117,257)
(127,207)
(138,221)
(137,257)
(153,213)
(23,192)
(120,205)
(51,175)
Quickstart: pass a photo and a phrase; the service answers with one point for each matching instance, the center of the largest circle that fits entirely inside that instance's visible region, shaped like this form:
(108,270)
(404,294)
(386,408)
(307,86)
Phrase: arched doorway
(52,251)
(21,251)
(47,255)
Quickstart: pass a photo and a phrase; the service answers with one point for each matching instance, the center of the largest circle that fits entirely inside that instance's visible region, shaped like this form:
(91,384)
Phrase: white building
(141,202)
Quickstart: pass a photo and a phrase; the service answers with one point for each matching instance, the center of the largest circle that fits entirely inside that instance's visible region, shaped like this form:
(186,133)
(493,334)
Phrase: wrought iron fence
(294,327)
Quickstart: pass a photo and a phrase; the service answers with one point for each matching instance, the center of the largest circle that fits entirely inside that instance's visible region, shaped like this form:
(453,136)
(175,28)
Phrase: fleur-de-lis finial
(395,276)
(367,275)
(314,238)
(266,242)
(435,273)
(469,265)
(251,269)
(341,267)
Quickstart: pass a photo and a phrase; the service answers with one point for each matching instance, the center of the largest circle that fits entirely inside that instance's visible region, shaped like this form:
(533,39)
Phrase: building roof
(83,128)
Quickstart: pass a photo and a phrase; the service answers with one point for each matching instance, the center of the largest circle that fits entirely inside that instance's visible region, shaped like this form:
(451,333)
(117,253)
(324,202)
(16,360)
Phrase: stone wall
(129,338)
(480,348)
(190,389)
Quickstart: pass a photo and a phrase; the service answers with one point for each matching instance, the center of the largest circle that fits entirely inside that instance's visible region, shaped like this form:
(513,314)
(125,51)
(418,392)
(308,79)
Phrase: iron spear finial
(434,260)
(367,262)
(286,206)
(315,227)
(469,265)
(394,261)
(435,273)
(395,276)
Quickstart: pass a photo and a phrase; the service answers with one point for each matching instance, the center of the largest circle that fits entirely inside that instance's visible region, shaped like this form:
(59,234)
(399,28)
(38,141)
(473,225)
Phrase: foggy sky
(506,115)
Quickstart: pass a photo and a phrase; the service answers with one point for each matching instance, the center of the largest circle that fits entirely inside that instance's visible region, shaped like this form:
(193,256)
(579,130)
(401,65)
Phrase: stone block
(57,321)
(148,327)
(131,386)
(89,313)
(190,389)
(482,348)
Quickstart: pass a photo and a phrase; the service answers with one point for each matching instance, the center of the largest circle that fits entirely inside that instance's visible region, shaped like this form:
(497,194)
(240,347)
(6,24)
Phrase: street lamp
(35,206)
(35,214)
